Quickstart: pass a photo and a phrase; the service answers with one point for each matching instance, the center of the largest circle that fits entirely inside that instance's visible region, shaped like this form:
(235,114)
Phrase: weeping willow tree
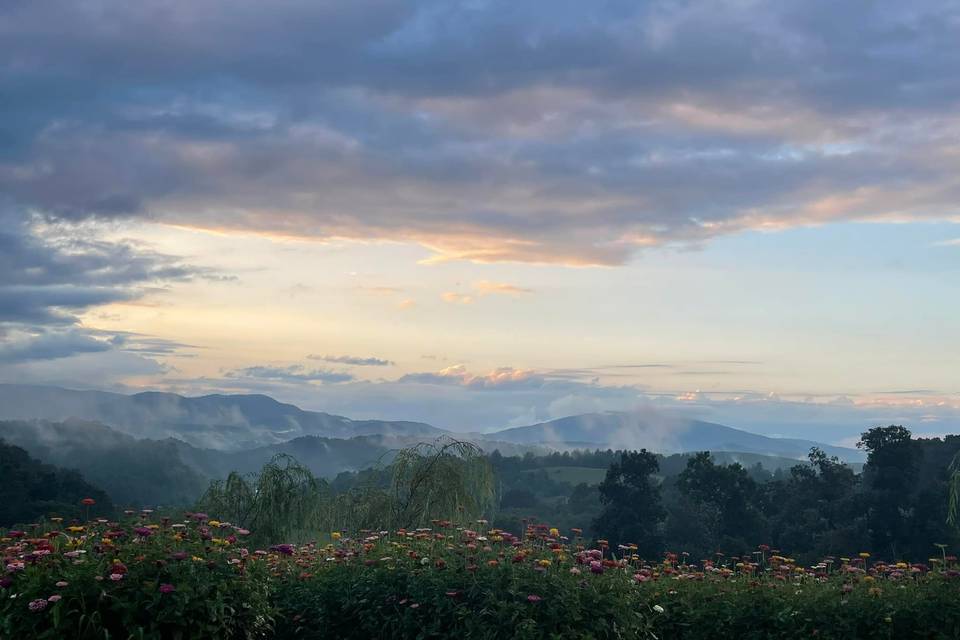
(445,479)
(953,508)
(284,502)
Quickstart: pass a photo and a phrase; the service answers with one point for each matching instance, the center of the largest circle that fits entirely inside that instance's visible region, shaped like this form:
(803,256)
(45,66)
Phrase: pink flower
(37,605)
(167,588)
(534,598)
(62,584)
(116,577)
(54,598)
(596,567)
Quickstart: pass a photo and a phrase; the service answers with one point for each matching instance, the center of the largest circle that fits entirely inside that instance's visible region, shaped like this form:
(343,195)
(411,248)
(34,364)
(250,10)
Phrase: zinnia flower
(167,588)
(534,598)
(37,605)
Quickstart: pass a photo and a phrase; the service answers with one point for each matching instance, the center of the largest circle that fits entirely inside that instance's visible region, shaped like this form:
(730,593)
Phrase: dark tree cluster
(31,490)
(896,508)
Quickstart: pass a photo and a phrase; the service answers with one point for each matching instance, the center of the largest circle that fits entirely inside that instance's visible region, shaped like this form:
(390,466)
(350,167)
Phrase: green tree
(632,505)
(890,477)
(442,479)
(282,503)
(728,494)
(31,490)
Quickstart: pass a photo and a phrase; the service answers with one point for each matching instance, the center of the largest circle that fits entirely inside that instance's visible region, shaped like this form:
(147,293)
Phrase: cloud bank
(560,132)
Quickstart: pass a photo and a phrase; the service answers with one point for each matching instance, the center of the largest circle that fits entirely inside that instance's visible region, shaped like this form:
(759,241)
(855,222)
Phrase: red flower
(88,501)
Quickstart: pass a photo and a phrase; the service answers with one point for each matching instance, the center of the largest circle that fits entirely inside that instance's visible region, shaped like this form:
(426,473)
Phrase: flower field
(152,576)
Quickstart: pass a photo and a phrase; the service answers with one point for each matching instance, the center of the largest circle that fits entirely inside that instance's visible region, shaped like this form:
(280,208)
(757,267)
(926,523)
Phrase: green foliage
(31,490)
(787,610)
(284,502)
(431,481)
(632,503)
(116,590)
(133,472)
(953,510)
(197,579)
(408,600)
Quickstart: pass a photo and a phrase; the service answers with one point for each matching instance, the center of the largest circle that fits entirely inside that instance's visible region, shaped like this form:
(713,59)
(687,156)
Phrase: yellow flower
(335,535)
(554,532)
(214,523)
(74,529)
(864,555)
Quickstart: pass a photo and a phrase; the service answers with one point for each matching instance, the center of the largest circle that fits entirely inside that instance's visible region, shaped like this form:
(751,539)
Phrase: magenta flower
(167,588)
(37,605)
(284,549)
(534,598)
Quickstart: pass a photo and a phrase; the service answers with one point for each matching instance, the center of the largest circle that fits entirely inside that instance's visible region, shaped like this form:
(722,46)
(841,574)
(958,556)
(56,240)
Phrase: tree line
(897,508)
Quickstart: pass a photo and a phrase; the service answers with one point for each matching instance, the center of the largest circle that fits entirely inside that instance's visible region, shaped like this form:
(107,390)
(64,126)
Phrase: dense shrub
(140,581)
(388,601)
(149,577)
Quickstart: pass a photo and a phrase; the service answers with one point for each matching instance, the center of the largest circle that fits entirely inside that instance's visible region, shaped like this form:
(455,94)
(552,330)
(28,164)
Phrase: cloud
(525,131)
(49,346)
(354,360)
(485,287)
(51,272)
(456,298)
(292,373)
(500,378)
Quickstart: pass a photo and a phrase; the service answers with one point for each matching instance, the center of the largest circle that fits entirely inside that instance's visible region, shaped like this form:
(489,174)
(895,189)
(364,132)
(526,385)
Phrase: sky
(485,214)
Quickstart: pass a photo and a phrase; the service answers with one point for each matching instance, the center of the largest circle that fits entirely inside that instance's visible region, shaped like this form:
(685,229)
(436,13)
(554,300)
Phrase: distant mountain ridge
(240,423)
(224,422)
(621,430)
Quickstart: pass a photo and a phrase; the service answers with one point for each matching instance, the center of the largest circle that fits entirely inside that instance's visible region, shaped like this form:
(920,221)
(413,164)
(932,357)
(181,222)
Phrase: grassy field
(574,475)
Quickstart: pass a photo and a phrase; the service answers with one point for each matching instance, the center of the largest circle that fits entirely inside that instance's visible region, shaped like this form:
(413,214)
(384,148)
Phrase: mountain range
(240,424)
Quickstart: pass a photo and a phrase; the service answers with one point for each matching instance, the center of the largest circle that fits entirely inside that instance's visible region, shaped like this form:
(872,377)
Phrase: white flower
(658,608)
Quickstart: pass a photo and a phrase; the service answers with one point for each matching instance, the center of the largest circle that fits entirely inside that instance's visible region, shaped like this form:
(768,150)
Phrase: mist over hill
(250,426)
(223,422)
(620,430)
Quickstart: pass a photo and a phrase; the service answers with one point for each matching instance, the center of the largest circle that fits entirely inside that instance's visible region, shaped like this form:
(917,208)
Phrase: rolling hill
(224,422)
(664,435)
(242,424)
